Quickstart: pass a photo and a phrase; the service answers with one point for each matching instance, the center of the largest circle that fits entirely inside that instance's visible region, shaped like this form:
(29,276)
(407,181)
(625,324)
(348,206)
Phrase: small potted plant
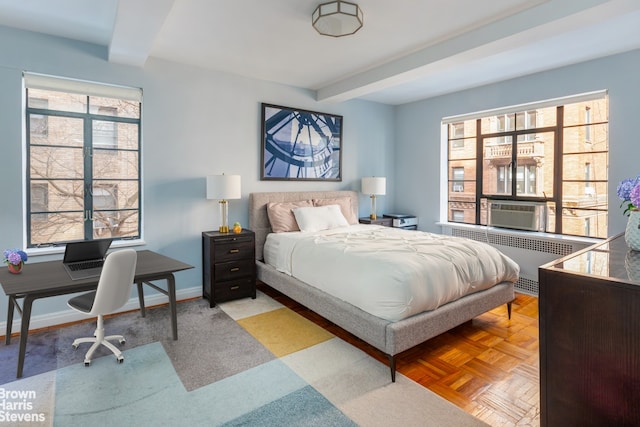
(15,259)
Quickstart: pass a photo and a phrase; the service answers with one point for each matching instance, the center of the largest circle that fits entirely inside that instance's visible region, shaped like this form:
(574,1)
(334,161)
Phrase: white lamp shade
(223,187)
(374,185)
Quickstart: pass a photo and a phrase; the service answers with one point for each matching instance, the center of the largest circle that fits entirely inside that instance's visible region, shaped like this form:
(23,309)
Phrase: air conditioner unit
(519,215)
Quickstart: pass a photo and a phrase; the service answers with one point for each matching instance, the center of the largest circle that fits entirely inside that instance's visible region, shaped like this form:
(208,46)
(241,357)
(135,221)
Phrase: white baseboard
(70,315)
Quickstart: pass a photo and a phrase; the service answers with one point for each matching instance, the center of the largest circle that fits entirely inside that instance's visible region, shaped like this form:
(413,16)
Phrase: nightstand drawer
(233,269)
(241,288)
(234,250)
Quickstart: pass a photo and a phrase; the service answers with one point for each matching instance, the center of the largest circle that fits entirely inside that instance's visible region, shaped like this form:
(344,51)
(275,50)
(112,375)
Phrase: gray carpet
(217,373)
(201,331)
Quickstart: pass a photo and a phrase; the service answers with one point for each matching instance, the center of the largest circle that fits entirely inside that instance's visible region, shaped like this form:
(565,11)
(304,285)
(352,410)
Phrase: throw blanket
(389,272)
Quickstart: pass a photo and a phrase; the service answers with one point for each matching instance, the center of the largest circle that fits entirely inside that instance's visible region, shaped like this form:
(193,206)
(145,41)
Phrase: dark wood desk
(48,279)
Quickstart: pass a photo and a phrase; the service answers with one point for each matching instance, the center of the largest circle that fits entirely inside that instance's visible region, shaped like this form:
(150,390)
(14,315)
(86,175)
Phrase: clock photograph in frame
(300,144)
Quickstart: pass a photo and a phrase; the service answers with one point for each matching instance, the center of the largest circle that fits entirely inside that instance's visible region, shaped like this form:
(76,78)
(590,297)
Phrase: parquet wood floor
(488,366)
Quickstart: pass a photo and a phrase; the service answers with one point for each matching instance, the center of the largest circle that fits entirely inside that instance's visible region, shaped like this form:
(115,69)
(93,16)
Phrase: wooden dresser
(589,307)
(228,266)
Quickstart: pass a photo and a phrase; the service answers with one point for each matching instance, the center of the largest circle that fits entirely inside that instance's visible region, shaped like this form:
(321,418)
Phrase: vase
(632,265)
(15,269)
(632,233)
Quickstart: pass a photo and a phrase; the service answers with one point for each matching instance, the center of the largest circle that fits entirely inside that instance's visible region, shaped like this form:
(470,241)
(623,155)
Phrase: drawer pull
(234,288)
(234,269)
(234,251)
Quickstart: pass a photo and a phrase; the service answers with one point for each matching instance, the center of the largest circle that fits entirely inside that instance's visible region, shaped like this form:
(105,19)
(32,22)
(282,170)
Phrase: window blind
(587,96)
(83,87)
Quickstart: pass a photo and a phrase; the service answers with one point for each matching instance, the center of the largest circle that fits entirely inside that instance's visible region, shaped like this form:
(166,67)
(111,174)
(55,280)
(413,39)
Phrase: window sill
(59,249)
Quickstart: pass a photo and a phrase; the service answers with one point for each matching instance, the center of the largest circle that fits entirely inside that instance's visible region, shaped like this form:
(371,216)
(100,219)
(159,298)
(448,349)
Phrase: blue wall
(198,122)
(418,127)
(195,123)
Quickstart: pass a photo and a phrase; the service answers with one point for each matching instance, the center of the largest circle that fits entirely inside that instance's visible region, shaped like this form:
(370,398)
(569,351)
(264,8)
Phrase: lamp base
(224,215)
(373,207)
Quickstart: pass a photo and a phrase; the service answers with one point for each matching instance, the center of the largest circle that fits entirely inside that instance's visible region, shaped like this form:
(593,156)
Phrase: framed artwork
(300,145)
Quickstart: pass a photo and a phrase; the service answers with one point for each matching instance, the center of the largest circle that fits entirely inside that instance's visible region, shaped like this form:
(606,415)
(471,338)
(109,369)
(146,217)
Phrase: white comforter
(389,272)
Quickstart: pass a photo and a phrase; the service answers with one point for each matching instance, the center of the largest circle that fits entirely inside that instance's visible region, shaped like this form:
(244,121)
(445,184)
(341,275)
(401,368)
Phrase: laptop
(85,259)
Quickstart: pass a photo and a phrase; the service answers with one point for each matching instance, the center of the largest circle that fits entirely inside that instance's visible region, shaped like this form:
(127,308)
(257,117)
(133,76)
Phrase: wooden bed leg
(509,310)
(392,365)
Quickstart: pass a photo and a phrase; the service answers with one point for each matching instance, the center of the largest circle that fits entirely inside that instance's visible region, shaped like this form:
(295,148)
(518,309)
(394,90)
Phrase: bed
(391,335)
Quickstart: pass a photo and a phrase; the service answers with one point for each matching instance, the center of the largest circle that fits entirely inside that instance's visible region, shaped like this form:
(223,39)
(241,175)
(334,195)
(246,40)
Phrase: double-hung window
(83,160)
(553,152)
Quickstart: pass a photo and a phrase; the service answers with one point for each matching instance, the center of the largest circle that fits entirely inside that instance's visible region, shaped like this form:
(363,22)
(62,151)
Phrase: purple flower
(15,256)
(634,196)
(625,187)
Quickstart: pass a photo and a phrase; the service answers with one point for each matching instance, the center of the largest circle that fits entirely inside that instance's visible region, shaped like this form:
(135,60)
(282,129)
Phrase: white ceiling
(406,51)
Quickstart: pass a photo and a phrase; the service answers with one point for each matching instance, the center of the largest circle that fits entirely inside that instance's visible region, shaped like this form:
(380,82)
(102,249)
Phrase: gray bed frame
(391,338)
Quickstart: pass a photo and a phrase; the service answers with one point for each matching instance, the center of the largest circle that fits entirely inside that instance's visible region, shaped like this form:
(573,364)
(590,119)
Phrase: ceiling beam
(136,27)
(482,42)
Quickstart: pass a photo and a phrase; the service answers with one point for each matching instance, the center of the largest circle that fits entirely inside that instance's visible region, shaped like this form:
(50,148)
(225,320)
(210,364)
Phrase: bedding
(345,207)
(389,272)
(319,218)
(281,215)
(389,337)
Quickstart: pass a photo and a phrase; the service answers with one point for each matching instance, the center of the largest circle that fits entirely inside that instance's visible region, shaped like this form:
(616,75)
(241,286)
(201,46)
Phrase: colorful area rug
(243,363)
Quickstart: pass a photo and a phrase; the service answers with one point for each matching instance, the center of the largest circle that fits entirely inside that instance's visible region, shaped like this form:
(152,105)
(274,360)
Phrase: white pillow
(319,218)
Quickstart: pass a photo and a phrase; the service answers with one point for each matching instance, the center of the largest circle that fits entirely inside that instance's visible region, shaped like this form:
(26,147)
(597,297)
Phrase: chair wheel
(87,363)
(120,359)
(75,346)
(122,341)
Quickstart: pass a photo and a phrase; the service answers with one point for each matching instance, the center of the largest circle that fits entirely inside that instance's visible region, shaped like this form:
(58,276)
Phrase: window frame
(503,117)
(87,90)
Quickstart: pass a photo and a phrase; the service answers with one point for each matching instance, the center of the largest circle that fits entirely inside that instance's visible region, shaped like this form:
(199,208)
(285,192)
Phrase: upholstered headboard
(259,221)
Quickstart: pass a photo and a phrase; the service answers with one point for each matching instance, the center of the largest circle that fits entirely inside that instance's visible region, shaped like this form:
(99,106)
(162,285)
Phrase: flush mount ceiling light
(337,18)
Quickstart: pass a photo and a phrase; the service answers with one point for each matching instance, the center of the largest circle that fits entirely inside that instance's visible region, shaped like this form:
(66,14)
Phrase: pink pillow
(281,215)
(345,207)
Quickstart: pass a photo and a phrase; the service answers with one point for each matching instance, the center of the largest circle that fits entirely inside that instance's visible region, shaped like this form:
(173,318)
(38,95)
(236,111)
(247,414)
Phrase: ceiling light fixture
(337,18)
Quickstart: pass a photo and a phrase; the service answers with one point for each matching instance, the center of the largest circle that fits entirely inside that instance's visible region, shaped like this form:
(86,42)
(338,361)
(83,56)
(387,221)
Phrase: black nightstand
(228,266)
(387,222)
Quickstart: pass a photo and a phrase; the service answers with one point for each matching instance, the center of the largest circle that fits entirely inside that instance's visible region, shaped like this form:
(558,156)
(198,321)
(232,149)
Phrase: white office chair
(114,290)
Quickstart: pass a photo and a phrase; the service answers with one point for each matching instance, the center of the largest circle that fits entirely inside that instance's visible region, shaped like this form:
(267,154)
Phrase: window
(457,135)
(587,122)
(39,201)
(588,189)
(535,154)
(104,131)
(38,123)
(458,179)
(83,164)
(457,215)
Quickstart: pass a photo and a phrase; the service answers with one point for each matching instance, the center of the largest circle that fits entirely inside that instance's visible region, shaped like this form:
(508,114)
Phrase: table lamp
(374,186)
(222,188)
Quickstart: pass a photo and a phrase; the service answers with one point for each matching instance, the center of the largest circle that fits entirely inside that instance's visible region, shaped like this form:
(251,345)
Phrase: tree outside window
(83,167)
